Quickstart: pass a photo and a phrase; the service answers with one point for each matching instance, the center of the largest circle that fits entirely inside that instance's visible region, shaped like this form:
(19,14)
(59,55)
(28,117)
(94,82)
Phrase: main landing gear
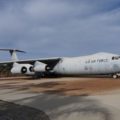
(115,76)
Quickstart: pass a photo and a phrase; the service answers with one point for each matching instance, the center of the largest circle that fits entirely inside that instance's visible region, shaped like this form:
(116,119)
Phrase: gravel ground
(60,98)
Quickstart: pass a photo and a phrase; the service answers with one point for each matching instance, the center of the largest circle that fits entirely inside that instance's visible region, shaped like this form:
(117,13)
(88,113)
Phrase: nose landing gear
(115,76)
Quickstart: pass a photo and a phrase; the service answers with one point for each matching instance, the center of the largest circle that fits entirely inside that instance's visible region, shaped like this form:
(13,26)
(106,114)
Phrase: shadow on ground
(11,111)
(68,107)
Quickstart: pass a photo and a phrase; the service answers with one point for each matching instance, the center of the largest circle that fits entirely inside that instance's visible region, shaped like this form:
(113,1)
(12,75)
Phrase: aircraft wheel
(115,76)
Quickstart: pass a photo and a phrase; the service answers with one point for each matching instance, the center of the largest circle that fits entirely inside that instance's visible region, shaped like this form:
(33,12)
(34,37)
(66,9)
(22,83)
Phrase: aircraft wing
(48,61)
(7,65)
(14,58)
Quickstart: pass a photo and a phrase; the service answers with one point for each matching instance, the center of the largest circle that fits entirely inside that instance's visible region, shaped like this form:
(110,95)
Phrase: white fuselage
(100,63)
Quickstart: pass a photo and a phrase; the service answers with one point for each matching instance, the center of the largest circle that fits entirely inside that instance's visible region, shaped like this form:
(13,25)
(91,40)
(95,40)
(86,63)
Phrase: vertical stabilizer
(13,53)
(14,56)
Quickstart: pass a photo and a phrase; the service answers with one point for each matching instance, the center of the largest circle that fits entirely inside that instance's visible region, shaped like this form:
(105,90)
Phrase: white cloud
(60,27)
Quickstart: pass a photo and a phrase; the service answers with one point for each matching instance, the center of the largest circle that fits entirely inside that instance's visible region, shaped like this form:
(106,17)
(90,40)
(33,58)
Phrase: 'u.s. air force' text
(96,61)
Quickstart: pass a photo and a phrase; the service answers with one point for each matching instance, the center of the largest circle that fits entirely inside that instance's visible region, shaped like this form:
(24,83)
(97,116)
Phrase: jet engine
(26,69)
(41,67)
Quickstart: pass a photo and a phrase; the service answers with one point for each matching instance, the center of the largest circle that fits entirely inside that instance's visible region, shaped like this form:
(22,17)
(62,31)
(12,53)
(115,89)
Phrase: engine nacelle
(41,67)
(26,69)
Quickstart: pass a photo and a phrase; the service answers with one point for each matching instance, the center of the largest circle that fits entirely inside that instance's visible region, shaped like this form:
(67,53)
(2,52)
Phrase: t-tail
(13,53)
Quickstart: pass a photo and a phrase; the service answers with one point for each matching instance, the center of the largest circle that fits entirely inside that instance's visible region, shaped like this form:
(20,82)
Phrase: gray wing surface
(47,61)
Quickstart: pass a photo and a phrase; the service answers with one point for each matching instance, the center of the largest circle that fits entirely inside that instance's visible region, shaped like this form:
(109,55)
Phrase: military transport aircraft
(96,64)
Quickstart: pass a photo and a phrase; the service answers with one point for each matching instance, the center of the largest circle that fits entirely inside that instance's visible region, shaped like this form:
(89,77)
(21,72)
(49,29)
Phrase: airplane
(96,64)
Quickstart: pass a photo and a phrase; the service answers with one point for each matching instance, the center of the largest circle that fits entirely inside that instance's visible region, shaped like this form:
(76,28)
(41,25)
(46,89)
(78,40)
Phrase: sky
(51,28)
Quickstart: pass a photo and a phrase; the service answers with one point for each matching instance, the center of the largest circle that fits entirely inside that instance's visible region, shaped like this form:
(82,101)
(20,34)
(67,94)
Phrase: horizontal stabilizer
(11,50)
(13,54)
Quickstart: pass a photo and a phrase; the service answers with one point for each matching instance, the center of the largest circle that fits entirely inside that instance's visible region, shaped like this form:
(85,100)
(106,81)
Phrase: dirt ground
(65,86)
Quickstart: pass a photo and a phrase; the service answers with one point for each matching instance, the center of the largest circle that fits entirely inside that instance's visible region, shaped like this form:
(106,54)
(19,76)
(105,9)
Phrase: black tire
(115,76)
